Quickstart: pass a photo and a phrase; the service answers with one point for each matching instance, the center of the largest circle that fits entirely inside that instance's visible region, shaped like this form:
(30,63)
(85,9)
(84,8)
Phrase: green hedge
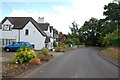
(116,42)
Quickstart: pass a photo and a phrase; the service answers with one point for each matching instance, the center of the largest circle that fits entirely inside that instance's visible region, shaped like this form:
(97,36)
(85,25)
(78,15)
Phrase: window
(26,32)
(7,27)
(9,41)
(6,41)
(2,41)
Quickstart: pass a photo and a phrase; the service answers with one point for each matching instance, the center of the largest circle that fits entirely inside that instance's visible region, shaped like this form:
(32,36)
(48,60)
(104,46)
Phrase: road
(80,63)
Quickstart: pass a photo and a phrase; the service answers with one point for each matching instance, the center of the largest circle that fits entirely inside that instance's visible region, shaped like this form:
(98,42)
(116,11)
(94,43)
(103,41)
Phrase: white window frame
(7,27)
(25,32)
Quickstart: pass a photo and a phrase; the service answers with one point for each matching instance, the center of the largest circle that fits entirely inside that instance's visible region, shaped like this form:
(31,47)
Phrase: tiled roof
(20,22)
(44,26)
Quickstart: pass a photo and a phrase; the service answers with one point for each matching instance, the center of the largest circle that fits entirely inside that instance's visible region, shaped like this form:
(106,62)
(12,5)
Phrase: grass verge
(0,48)
(112,52)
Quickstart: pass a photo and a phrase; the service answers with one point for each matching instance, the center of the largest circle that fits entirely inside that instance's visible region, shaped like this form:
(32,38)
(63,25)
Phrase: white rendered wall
(47,32)
(34,37)
(0,37)
(13,34)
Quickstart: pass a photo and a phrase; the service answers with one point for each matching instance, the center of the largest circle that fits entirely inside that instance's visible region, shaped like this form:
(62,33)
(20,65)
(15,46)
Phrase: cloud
(36,0)
(80,11)
(59,21)
(27,13)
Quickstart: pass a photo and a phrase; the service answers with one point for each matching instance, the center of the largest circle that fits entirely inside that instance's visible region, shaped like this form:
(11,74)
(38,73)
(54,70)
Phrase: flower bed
(23,60)
(11,70)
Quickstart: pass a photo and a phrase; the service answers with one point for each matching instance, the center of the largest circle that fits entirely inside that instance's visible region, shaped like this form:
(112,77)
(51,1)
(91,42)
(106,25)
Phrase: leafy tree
(109,28)
(112,13)
(88,32)
(98,32)
(74,30)
(107,40)
(69,41)
(73,41)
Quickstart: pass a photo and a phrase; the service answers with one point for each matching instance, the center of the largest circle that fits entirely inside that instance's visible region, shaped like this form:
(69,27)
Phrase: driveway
(80,63)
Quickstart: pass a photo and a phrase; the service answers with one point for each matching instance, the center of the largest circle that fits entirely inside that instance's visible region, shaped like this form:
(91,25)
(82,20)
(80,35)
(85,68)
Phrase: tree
(88,32)
(74,30)
(112,12)
(107,40)
(73,41)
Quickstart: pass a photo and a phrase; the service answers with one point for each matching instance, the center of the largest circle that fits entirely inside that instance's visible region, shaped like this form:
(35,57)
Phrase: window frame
(7,27)
(26,32)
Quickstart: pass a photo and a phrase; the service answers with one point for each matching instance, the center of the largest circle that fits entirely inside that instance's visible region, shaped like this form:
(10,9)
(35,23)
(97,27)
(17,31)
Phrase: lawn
(112,52)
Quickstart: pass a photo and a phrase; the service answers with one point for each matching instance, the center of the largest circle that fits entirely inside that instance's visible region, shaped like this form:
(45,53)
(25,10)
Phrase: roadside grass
(0,48)
(67,49)
(112,52)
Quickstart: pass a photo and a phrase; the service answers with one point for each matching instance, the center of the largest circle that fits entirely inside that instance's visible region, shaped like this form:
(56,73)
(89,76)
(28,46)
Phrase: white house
(39,34)
(0,36)
(26,29)
(49,32)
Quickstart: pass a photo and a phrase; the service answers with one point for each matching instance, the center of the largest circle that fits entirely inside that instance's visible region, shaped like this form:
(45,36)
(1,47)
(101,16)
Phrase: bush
(54,44)
(24,54)
(61,47)
(109,38)
(35,61)
(58,49)
(43,57)
(43,51)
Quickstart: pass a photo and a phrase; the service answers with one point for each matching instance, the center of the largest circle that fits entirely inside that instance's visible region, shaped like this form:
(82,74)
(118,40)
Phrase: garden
(24,59)
(63,47)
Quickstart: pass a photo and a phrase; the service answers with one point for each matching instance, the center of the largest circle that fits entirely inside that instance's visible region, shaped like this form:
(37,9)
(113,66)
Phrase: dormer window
(6,27)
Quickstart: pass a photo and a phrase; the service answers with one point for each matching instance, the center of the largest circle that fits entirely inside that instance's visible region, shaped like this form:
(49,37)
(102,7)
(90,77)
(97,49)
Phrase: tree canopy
(98,32)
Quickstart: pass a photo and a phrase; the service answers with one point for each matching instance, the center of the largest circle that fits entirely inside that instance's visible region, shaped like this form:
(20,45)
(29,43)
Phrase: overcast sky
(59,14)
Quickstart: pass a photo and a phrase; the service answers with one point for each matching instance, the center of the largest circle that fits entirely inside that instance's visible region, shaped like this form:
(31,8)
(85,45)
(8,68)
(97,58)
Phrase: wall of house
(51,39)
(50,44)
(47,32)
(51,34)
(0,37)
(34,36)
(8,35)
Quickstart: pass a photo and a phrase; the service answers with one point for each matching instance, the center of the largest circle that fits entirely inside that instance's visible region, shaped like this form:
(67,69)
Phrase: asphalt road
(80,63)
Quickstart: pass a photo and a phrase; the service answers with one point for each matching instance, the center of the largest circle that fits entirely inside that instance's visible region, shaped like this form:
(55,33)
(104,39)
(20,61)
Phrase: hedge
(116,42)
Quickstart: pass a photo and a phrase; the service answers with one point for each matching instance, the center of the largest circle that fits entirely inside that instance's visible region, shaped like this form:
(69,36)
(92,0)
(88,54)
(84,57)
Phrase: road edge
(114,62)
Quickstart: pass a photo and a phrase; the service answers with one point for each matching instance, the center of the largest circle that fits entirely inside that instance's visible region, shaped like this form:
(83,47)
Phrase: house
(0,36)
(55,35)
(62,37)
(26,29)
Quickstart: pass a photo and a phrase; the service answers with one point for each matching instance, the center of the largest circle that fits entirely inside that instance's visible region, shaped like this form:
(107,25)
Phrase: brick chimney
(40,20)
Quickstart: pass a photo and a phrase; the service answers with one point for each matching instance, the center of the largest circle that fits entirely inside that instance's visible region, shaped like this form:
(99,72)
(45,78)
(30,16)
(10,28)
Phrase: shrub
(43,51)
(54,44)
(35,61)
(116,42)
(43,57)
(24,54)
(24,48)
(110,39)
(58,49)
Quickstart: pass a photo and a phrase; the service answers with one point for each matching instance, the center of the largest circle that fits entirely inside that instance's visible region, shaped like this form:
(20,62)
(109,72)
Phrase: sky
(59,13)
